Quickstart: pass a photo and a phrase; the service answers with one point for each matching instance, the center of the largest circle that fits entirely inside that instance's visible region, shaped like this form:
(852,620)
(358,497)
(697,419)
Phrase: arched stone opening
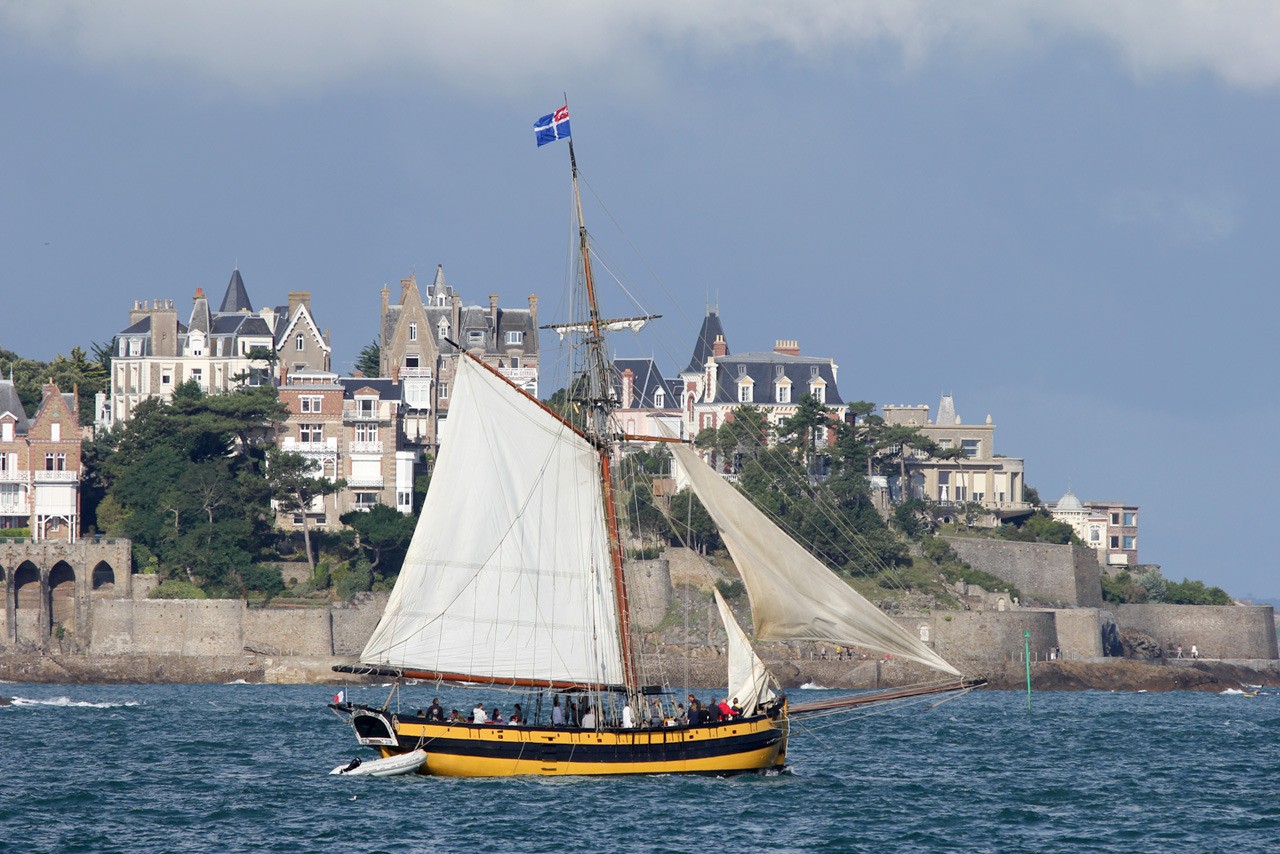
(62,597)
(26,602)
(103,579)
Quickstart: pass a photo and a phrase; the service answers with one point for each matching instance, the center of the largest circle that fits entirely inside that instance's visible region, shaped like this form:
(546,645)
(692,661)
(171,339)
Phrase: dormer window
(475,338)
(515,339)
(742,370)
(442,329)
(813,372)
(819,393)
(366,407)
(783,393)
(659,400)
(777,371)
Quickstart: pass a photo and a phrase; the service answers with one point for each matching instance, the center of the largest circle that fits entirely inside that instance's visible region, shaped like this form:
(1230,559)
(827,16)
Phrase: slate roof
(387,389)
(201,321)
(255,325)
(646,380)
(10,402)
(762,368)
(703,347)
(236,297)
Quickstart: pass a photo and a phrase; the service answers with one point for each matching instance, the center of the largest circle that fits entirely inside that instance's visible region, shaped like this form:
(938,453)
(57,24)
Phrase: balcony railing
(364,448)
(56,476)
(418,373)
(329,446)
(14,508)
(365,482)
(519,376)
(13,476)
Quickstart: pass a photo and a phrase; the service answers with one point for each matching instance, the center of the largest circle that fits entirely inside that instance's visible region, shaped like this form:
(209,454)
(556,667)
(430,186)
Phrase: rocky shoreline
(1109,674)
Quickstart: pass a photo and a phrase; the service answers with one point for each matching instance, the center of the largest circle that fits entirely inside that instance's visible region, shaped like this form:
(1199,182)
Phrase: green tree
(295,484)
(382,532)
(805,432)
(369,362)
(691,524)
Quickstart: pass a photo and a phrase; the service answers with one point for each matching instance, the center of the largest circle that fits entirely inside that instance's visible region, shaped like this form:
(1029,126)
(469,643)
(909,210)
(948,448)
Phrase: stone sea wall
(1218,631)
(1060,575)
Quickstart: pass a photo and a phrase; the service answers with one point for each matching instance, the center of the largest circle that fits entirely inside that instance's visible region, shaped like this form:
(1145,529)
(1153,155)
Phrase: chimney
(533,312)
(138,311)
(786,347)
(386,300)
(164,329)
(719,348)
(297,298)
(405,286)
(493,312)
(628,387)
(284,374)
(395,373)
(455,320)
(199,293)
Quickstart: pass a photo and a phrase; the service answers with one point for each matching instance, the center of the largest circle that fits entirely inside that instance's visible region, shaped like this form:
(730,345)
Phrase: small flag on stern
(552,126)
(340,697)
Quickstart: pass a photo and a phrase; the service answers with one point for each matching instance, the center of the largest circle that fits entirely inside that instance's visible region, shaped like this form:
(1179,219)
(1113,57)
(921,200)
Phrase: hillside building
(156,352)
(1110,528)
(716,382)
(981,476)
(419,342)
(40,464)
(352,428)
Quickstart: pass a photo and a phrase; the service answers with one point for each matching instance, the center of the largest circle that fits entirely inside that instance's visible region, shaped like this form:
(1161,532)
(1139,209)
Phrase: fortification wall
(144,584)
(985,635)
(648,592)
(1079,632)
(1218,631)
(353,624)
(1061,575)
(688,568)
(189,627)
(302,632)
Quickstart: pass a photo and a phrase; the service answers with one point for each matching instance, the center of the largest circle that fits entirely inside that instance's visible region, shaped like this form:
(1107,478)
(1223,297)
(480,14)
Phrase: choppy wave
(245,768)
(813,686)
(67,702)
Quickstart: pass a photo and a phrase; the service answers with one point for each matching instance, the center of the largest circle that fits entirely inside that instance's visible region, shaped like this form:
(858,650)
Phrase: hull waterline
(485,750)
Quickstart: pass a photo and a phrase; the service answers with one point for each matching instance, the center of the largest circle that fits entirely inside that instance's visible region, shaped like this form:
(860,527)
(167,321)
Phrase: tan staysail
(748,677)
(794,596)
(508,576)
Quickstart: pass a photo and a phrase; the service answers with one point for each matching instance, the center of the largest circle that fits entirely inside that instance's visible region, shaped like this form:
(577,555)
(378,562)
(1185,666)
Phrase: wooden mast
(600,405)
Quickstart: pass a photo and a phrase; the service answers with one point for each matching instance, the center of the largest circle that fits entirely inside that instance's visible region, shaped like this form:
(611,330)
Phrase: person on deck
(517,716)
(497,718)
(478,715)
(682,715)
(435,714)
(589,719)
(557,713)
(726,711)
(628,721)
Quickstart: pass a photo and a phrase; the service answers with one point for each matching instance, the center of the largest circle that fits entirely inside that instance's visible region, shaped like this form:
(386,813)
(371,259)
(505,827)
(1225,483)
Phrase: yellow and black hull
(485,750)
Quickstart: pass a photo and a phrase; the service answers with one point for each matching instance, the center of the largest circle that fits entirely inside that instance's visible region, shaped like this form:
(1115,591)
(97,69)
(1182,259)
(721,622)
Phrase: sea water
(226,768)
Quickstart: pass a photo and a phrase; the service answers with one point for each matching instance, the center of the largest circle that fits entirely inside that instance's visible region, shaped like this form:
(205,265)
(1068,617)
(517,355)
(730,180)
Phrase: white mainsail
(748,677)
(794,596)
(509,573)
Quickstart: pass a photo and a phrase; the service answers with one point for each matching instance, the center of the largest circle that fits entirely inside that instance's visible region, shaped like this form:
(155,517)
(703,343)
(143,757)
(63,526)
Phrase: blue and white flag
(552,126)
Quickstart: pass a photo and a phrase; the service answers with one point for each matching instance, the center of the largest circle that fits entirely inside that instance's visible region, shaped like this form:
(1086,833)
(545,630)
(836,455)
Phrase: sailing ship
(515,578)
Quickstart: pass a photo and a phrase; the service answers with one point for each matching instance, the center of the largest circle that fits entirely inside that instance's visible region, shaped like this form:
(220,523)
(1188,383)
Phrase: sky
(1063,214)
